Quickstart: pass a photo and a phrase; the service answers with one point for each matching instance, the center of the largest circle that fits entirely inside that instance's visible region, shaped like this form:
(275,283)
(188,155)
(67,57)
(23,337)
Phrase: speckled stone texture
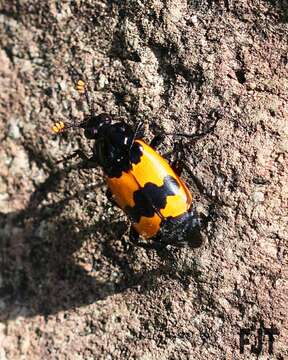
(71,284)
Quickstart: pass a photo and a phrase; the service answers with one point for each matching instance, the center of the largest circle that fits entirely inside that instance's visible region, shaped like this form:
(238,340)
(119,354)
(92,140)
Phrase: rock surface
(71,286)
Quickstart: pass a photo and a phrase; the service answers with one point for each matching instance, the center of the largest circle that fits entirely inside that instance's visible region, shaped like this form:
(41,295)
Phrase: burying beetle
(140,181)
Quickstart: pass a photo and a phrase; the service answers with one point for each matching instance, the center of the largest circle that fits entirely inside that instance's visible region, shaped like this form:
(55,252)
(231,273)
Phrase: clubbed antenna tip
(58,127)
(80,86)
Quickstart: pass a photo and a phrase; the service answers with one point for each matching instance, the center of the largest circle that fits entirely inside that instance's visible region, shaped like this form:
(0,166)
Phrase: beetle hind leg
(178,162)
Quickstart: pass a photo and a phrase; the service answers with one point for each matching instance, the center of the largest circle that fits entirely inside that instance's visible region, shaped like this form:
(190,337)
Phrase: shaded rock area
(72,286)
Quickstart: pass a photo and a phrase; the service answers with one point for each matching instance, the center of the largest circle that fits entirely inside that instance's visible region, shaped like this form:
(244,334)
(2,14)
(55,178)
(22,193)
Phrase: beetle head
(92,125)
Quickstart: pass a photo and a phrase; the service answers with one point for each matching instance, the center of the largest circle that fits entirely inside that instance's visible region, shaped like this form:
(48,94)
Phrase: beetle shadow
(281,7)
(41,273)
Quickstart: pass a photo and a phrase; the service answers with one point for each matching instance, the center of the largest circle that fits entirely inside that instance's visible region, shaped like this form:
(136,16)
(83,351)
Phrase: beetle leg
(88,163)
(211,217)
(133,235)
(110,198)
(178,164)
(157,141)
(72,156)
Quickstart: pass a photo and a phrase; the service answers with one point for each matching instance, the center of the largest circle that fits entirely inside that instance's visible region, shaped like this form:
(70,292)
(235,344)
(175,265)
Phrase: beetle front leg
(157,141)
(111,199)
(75,153)
(177,164)
(88,163)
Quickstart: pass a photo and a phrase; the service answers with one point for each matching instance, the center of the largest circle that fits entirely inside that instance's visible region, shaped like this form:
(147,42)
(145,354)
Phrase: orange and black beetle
(141,183)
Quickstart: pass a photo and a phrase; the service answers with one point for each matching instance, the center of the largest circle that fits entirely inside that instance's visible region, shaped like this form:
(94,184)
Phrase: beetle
(140,181)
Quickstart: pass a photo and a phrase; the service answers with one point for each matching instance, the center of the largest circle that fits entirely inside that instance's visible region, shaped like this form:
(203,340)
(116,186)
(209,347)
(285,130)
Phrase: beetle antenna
(187,135)
(81,87)
(60,126)
(196,135)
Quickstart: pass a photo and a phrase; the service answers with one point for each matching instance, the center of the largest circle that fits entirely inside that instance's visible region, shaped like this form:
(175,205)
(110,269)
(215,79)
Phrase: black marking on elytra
(136,153)
(118,158)
(152,198)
